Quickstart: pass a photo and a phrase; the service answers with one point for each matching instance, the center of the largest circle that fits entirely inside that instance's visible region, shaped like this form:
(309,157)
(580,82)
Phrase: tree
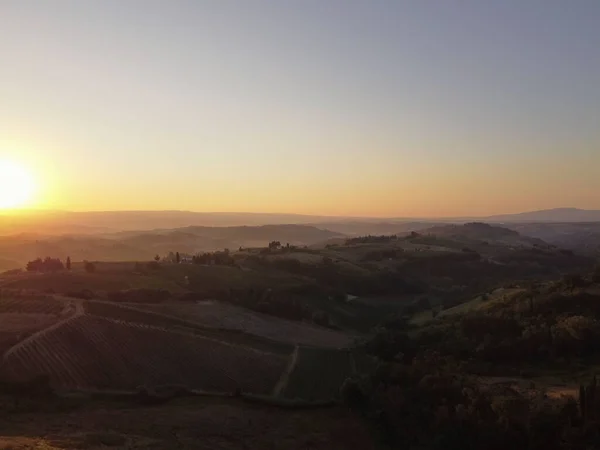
(89,267)
(274,245)
(177,257)
(68,263)
(157,258)
(35,265)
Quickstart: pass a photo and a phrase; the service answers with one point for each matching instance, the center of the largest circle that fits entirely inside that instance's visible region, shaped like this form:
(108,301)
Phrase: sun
(17,186)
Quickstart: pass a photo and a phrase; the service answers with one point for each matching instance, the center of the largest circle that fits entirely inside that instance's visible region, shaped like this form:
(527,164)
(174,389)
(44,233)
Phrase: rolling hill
(479,231)
(581,237)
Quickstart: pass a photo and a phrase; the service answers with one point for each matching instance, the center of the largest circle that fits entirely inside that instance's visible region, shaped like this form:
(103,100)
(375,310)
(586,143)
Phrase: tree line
(49,264)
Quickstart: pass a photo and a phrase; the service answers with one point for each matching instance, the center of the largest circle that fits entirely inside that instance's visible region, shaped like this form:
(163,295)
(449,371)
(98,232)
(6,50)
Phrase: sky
(339,107)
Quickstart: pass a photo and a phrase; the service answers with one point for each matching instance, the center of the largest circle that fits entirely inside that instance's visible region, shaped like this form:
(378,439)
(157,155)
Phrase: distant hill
(362,228)
(141,245)
(581,237)
(93,222)
(479,231)
(550,215)
(98,222)
(475,230)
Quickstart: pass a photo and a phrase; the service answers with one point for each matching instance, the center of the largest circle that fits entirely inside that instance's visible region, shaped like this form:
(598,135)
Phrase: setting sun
(16,185)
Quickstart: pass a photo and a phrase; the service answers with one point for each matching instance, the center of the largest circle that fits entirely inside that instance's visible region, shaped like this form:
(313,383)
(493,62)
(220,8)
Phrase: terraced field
(40,305)
(114,311)
(211,347)
(319,374)
(92,352)
(22,317)
(135,315)
(224,316)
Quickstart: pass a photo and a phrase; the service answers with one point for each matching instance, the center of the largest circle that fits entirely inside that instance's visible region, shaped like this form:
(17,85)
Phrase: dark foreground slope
(198,423)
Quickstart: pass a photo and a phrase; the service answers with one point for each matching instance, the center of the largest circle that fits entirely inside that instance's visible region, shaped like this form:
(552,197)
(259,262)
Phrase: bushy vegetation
(331,275)
(530,327)
(371,239)
(431,403)
(47,264)
(223,258)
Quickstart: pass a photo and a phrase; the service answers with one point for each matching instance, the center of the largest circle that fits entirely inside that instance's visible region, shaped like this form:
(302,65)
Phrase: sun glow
(17,186)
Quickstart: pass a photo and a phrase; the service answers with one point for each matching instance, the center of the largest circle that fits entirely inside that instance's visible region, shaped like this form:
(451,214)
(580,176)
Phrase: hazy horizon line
(17,211)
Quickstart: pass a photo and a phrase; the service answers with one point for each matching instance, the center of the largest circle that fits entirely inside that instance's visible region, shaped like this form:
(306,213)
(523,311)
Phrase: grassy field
(63,282)
(113,276)
(220,315)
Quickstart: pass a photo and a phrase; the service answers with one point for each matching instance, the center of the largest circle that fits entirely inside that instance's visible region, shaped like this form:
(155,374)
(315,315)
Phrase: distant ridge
(550,215)
(99,222)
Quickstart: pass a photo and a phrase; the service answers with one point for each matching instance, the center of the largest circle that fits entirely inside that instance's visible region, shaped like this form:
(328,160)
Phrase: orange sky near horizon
(451,190)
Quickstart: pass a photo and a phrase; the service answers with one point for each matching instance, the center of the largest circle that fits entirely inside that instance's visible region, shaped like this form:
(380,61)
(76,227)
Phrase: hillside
(98,345)
(581,237)
(195,238)
(373,227)
(547,328)
(479,231)
(444,265)
(406,323)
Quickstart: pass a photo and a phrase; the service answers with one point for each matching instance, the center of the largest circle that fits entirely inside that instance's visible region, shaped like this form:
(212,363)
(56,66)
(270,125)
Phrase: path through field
(285,376)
